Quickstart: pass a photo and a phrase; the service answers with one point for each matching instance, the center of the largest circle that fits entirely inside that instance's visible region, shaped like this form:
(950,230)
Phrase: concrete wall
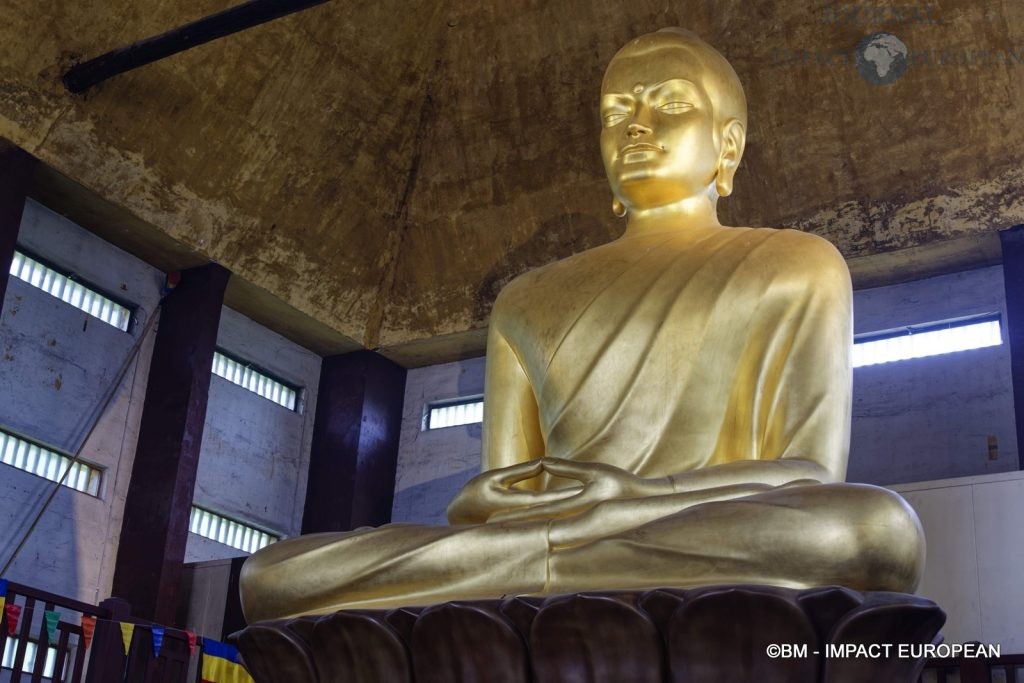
(255,453)
(206,583)
(922,419)
(974,555)
(433,465)
(930,418)
(56,364)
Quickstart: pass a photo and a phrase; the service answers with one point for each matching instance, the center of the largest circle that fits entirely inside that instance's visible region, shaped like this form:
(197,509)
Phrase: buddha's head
(673,120)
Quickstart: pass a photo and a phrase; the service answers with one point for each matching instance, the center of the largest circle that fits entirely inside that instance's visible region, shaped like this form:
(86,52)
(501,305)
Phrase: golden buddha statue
(668,409)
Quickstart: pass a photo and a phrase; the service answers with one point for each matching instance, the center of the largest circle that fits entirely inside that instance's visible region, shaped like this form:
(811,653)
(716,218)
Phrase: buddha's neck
(687,214)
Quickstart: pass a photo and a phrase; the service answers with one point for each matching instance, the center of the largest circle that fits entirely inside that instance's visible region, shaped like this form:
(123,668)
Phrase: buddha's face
(658,136)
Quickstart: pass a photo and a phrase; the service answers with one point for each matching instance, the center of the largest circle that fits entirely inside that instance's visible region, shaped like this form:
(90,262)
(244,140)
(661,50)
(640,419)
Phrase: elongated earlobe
(722,185)
(733,142)
(618,208)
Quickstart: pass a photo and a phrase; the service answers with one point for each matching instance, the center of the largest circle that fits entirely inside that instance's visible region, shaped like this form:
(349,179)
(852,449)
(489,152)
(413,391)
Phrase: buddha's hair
(724,89)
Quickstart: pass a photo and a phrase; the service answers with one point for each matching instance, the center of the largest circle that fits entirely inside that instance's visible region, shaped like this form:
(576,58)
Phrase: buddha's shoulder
(789,238)
(554,273)
(527,284)
(798,252)
(551,282)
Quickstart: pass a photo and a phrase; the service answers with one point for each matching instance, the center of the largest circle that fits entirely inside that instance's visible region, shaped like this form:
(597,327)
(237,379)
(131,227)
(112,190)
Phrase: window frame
(98,470)
(72,276)
(430,406)
(246,526)
(299,391)
(924,328)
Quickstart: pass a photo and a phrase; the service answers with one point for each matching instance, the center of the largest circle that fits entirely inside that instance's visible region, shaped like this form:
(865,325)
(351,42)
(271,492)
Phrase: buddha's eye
(675,107)
(614,117)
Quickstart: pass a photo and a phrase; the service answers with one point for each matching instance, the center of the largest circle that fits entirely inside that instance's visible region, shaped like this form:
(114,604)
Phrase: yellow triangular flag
(3,601)
(126,635)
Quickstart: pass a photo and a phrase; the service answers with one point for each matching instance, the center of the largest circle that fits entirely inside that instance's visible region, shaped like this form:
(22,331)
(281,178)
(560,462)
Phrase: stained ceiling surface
(373,173)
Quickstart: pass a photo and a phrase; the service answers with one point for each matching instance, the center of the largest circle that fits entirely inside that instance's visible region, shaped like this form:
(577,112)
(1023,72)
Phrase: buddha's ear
(734,138)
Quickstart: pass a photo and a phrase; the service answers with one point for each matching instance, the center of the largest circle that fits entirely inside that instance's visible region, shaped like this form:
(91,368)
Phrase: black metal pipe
(81,77)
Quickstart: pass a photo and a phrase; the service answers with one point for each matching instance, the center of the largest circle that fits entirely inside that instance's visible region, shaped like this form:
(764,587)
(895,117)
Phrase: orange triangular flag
(88,626)
(127,630)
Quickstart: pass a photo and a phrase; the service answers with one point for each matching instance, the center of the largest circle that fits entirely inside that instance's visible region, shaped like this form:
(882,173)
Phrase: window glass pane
(48,464)
(254,380)
(453,414)
(931,339)
(228,531)
(52,282)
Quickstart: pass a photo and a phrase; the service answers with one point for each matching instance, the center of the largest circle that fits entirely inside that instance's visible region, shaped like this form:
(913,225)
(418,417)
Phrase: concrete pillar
(151,552)
(16,169)
(1012,240)
(355,443)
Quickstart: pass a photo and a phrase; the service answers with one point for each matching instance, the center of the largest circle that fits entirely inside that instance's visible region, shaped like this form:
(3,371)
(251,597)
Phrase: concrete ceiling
(373,173)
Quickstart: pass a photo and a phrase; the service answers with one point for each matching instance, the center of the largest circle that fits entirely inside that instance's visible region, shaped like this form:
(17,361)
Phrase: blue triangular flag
(158,639)
(3,587)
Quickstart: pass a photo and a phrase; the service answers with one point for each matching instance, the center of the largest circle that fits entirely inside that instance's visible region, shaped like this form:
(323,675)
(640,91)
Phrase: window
(63,287)
(929,339)
(43,462)
(256,381)
(463,411)
(227,531)
(11,649)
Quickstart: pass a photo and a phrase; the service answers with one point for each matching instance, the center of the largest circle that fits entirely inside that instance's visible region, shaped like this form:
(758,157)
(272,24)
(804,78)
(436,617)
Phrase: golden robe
(676,355)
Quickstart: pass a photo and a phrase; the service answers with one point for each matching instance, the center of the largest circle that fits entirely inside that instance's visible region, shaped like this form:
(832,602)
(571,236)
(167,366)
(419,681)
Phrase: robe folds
(681,351)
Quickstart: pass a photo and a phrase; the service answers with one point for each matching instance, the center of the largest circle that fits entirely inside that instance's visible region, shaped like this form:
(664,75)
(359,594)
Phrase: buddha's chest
(626,313)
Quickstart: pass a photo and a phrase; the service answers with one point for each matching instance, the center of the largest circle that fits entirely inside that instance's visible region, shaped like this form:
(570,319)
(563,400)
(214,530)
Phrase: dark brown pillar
(15,176)
(156,512)
(355,443)
(1013,278)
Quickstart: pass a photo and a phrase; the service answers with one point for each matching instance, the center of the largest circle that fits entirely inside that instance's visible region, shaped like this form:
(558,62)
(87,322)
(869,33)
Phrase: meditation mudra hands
(493,496)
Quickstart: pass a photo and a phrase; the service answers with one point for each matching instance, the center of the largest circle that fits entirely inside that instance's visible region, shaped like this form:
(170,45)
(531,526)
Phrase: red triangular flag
(191,642)
(13,613)
(88,626)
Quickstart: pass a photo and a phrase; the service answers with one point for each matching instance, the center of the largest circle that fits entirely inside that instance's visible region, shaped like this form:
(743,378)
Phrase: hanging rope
(100,410)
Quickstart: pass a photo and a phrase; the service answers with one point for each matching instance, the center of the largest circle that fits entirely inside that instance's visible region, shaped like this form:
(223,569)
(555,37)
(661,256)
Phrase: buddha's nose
(635,130)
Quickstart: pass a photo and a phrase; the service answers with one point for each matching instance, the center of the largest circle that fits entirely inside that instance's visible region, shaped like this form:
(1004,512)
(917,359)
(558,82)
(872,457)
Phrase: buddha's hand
(600,481)
(493,493)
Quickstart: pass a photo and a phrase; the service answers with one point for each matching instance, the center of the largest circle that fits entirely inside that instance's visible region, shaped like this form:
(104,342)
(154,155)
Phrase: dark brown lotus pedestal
(717,634)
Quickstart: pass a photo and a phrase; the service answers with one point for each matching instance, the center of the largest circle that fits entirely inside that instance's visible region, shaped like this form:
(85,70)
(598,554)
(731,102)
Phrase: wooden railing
(70,657)
(106,661)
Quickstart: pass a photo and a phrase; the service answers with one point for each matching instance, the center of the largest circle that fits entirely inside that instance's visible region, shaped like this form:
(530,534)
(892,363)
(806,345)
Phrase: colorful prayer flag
(3,593)
(88,628)
(158,639)
(127,631)
(13,613)
(220,664)
(52,618)
(173,280)
(191,642)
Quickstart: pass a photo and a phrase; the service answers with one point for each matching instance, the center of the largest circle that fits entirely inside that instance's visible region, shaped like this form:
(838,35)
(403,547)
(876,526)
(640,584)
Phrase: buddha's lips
(637,146)
(641,147)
